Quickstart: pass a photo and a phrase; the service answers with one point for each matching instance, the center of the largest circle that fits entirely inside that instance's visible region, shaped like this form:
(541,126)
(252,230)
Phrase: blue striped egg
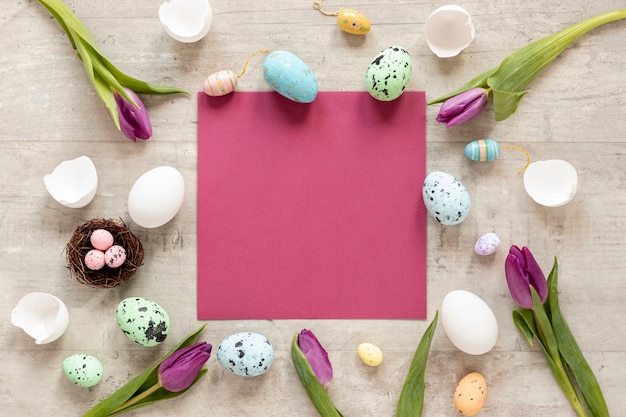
(482,150)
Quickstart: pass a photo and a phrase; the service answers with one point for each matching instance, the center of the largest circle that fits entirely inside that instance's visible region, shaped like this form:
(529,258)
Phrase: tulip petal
(535,275)
(316,355)
(517,281)
(134,120)
(179,370)
(463,107)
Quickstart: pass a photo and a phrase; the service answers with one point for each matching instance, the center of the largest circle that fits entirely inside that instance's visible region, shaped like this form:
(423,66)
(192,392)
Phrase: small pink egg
(94,259)
(101,239)
(115,256)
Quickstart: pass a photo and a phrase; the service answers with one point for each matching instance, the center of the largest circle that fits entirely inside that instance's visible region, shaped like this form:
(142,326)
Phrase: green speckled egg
(83,370)
(143,321)
(389,73)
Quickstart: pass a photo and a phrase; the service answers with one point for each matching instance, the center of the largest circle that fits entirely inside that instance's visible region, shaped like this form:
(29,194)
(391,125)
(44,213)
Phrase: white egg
(73,183)
(469,322)
(156,197)
(446,198)
(42,316)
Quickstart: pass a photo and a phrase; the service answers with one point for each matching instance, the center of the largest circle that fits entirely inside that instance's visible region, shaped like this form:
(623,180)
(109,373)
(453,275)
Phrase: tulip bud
(316,356)
(179,370)
(463,107)
(522,272)
(134,121)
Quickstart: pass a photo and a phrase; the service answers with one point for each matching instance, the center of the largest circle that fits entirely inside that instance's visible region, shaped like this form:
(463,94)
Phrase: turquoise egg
(289,76)
(482,150)
(389,73)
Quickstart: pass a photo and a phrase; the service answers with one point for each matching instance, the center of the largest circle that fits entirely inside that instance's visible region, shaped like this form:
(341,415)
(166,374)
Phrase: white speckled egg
(143,321)
(290,76)
(246,354)
(446,198)
(468,322)
(389,73)
(83,370)
(487,244)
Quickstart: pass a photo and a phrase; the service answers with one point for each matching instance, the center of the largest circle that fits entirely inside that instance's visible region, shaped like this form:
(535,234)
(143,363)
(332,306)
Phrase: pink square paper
(311,211)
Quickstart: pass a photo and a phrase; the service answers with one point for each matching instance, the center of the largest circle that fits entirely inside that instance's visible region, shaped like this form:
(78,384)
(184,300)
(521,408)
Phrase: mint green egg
(143,321)
(83,370)
(388,74)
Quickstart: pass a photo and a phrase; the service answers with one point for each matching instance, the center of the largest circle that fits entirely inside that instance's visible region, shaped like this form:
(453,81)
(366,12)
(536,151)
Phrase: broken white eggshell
(42,316)
(551,183)
(449,30)
(73,183)
(186,20)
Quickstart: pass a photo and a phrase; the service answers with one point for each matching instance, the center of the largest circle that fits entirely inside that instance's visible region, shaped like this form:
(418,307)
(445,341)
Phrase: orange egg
(353,22)
(470,394)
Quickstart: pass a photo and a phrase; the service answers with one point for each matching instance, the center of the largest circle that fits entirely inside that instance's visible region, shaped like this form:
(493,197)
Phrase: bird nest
(106,277)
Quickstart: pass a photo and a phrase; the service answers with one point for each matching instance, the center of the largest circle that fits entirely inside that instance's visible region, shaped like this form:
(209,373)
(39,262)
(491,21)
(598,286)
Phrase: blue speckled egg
(290,76)
(83,370)
(445,198)
(143,321)
(482,150)
(246,354)
(389,73)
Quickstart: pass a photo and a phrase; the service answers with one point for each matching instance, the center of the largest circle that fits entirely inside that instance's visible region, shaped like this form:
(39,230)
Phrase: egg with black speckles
(143,321)
(470,394)
(446,198)
(389,73)
(246,354)
(83,370)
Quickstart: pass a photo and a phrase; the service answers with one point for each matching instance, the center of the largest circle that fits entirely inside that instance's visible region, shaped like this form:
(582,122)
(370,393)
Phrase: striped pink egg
(220,83)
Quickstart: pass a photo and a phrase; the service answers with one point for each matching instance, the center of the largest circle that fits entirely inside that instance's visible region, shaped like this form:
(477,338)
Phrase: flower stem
(134,400)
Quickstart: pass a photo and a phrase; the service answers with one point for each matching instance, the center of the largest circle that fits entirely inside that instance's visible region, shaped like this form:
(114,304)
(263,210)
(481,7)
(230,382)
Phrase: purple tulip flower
(522,272)
(134,121)
(178,371)
(316,355)
(463,107)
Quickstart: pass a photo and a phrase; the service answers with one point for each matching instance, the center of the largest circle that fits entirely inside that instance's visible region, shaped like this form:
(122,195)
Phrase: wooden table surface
(575,111)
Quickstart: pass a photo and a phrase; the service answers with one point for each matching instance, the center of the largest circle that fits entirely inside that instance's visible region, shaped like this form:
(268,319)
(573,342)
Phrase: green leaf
(411,401)
(137,385)
(525,323)
(316,391)
(505,103)
(544,327)
(571,353)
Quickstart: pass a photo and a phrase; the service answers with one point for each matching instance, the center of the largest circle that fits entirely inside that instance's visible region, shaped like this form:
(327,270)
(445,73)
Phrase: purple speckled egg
(115,256)
(94,259)
(101,239)
(487,244)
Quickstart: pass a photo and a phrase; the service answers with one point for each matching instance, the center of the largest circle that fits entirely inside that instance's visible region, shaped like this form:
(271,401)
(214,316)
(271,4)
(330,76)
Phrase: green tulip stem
(138,398)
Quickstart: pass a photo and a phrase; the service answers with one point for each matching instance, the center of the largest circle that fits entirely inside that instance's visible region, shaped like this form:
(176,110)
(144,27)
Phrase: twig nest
(125,254)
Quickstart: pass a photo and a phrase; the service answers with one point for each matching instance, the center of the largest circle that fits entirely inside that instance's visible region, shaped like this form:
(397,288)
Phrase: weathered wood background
(575,111)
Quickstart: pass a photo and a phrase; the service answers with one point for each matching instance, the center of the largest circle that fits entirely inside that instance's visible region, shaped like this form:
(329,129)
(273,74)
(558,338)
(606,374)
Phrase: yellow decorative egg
(353,22)
(370,355)
(470,394)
